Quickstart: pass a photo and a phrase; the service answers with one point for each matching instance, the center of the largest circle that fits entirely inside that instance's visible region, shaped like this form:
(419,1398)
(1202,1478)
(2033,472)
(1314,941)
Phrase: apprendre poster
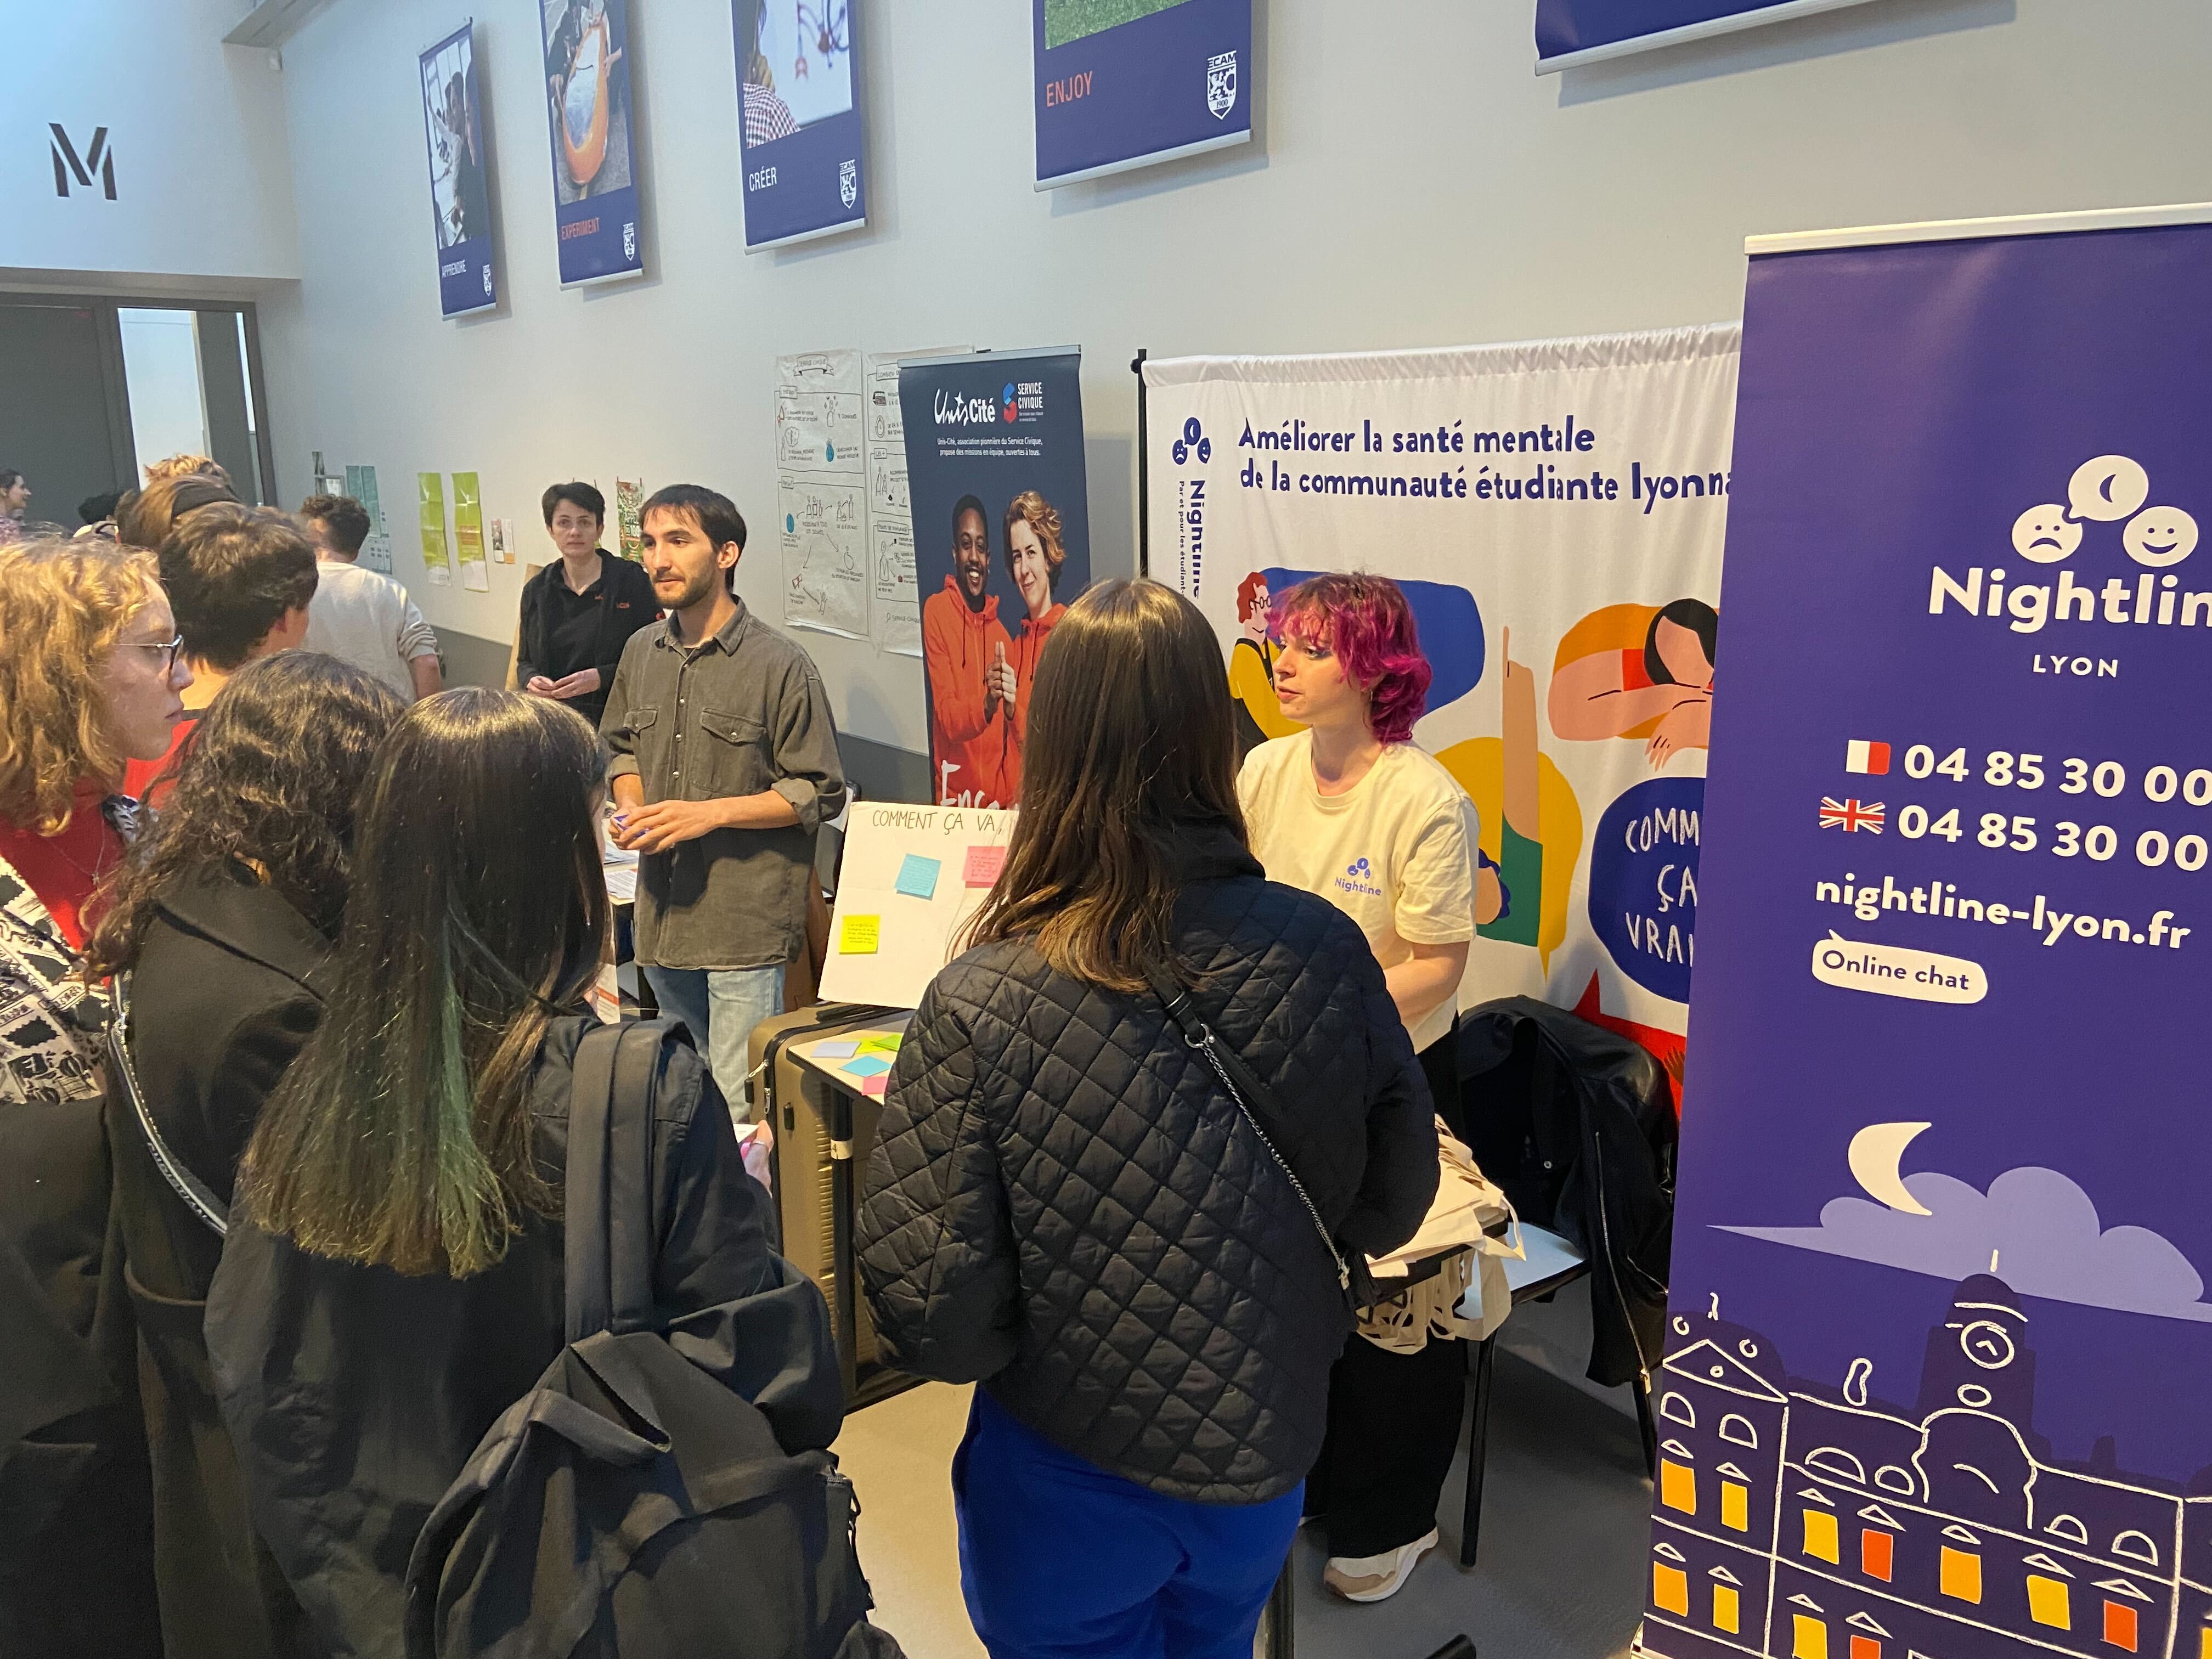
(1936,1377)
(1570,33)
(460,202)
(800,132)
(1125,83)
(588,111)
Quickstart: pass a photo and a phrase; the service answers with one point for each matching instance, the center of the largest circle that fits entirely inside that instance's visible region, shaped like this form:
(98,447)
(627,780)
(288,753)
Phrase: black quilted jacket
(1064,1203)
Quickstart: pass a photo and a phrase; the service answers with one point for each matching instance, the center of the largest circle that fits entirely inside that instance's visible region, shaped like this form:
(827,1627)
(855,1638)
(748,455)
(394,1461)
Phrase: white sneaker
(1376,1577)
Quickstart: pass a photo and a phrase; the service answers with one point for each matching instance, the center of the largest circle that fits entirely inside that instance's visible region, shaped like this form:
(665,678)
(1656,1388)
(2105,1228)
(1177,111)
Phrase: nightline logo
(98,159)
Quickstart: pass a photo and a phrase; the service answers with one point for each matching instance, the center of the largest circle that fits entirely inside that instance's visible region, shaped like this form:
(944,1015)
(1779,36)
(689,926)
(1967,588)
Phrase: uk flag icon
(1861,755)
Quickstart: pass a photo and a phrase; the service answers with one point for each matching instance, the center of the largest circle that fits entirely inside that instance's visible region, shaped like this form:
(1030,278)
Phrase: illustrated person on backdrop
(725,765)
(1351,809)
(1064,1204)
(89,680)
(241,579)
(363,616)
(1252,671)
(15,500)
(1520,867)
(579,612)
(394,1281)
(223,919)
(1665,689)
(1035,554)
(964,647)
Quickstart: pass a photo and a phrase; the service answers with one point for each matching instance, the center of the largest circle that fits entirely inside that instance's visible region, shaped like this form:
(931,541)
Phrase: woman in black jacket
(392,1279)
(222,920)
(579,611)
(1068,1203)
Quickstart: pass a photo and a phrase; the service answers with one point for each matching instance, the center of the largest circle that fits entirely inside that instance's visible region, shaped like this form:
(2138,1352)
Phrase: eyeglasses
(165,649)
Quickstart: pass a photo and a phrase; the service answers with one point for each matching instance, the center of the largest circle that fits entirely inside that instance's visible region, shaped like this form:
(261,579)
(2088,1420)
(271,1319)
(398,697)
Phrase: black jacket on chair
(1065,1203)
(227,990)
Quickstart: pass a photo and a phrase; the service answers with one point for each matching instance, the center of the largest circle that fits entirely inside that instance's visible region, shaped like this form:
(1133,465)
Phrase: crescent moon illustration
(1876,1153)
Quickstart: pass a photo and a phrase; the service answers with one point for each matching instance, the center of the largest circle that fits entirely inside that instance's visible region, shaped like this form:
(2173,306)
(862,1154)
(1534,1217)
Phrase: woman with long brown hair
(1135,1136)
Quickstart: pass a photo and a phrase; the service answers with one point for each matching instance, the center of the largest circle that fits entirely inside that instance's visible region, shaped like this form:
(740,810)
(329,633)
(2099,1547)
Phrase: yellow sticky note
(859,936)
(884,1043)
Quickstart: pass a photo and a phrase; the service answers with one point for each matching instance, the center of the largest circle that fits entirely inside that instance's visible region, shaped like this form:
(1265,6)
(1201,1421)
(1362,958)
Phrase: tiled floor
(1560,1576)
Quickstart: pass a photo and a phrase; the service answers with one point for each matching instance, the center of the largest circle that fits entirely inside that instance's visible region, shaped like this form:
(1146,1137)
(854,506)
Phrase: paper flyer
(376,551)
(629,509)
(430,520)
(820,491)
(895,602)
(468,531)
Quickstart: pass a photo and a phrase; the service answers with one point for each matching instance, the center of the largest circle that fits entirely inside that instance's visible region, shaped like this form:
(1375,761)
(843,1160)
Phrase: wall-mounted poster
(1571,32)
(460,201)
(587,91)
(1124,83)
(1001,521)
(430,524)
(1937,1371)
(799,127)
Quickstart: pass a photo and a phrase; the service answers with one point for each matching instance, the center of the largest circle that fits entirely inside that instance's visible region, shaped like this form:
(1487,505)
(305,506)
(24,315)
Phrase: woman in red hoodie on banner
(1035,554)
(964,647)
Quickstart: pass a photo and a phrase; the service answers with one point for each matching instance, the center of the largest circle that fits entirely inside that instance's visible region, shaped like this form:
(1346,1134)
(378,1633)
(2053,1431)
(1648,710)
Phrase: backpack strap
(584,1188)
(613,1221)
(200,1198)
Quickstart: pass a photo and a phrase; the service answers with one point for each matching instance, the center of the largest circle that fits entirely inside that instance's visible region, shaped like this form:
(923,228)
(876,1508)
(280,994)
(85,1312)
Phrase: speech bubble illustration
(1894,970)
(2045,534)
(2159,536)
(2108,488)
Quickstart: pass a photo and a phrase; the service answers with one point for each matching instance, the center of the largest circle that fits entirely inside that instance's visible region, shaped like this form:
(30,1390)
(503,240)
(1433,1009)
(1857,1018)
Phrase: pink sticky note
(984,863)
(878,1085)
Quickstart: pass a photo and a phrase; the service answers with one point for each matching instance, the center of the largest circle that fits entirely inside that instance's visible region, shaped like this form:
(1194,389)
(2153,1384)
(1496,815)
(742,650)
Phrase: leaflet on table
(820,485)
(1124,83)
(430,522)
(588,108)
(468,532)
(799,127)
(1573,32)
(460,204)
(896,605)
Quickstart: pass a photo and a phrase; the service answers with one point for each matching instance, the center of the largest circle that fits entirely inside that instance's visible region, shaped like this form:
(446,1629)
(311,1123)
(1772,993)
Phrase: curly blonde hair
(187,466)
(62,606)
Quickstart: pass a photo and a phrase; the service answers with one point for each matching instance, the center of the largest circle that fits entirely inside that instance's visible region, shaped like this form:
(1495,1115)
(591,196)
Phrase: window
(1677,1408)
(1737,1430)
(2067,1527)
(1820,1541)
(1812,1637)
(1735,1506)
(2120,1626)
(1728,1614)
(2136,1546)
(1958,1576)
(1865,1647)
(1678,1487)
(2050,1601)
(1670,1590)
(1837,1465)
(1876,1550)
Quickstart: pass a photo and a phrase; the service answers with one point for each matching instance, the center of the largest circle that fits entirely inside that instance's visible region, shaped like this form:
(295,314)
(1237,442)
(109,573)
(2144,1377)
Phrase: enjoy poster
(1554,512)
(587,102)
(1124,83)
(460,201)
(1001,543)
(1574,32)
(1938,1351)
(799,125)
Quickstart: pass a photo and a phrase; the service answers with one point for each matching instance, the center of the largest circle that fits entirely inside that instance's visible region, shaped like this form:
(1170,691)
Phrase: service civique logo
(1192,449)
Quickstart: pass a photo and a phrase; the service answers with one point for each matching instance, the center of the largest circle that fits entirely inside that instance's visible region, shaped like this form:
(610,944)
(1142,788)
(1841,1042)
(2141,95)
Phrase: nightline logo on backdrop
(98,158)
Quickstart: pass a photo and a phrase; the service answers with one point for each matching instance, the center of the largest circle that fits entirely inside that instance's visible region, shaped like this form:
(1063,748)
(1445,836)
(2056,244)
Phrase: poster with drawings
(890,522)
(821,517)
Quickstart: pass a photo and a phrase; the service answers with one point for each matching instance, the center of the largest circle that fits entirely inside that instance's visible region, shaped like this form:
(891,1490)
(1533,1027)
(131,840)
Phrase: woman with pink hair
(1351,809)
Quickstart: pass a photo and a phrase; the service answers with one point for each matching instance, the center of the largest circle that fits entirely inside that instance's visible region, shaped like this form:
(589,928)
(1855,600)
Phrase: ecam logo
(1009,406)
(1193,441)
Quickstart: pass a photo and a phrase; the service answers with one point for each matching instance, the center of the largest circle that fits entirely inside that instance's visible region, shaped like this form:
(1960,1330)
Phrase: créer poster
(799,128)
(460,203)
(588,111)
(1571,32)
(821,490)
(1127,83)
(1938,1354)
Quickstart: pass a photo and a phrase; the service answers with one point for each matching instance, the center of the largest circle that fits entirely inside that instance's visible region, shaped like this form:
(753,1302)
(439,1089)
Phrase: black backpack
(631,1503)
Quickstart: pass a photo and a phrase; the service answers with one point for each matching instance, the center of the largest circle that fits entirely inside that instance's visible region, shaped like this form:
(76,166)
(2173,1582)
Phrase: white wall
(1413,184)
(203,186)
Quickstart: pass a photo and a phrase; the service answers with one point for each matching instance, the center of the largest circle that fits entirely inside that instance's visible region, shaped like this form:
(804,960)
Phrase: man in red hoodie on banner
(962,644)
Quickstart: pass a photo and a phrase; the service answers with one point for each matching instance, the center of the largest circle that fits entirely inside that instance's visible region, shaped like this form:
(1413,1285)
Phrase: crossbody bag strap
(1243,1086)
(586,1281)
(198,1197)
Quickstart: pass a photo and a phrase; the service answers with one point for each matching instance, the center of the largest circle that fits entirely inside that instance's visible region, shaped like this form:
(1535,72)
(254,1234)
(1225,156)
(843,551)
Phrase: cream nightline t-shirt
(1394,852)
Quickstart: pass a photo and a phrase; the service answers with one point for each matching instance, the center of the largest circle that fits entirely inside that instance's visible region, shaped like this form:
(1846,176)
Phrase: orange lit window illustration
(1958,1576)
(1876,1549)
(2049,1603)
(2204,1643)
(1670,1588)
(1812,1635)
(1735,1506)
(1678,1487)
(2120,1625)
(1865,1647)
(1727,1610)
(1820,1541)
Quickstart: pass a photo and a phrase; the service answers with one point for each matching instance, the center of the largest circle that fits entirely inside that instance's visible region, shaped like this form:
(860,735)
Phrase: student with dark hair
(393,1277)
(363,616)
(240,580)
(222,920)
(96,513)
(579,613)
(725,765)
(965,647)
(1069,1204)
(15,497)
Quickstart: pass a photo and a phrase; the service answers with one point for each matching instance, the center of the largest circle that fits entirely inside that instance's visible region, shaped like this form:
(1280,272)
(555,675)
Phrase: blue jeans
(721,1006)
(1060,1560)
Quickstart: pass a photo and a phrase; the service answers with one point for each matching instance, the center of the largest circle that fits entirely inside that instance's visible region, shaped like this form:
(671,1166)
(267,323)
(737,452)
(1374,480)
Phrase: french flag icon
(1861,755)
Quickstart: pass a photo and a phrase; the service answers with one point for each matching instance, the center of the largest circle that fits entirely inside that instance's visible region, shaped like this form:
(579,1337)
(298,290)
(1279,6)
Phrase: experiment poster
(587,90)
(799,125)
(1554,512)
(1572,31)
(1124,83)
(1001,543)
(1937,1351)
(460,200)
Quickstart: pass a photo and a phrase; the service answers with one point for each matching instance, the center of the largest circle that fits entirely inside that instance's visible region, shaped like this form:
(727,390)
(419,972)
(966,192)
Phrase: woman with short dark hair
(1143,1265)
(579,613)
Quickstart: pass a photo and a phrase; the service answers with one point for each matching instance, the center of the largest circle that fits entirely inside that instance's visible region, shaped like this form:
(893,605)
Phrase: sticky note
(984,863)
(866,1065)
(917,876)
(884,1043)
(878,1085)
(859,935)
(836,1050)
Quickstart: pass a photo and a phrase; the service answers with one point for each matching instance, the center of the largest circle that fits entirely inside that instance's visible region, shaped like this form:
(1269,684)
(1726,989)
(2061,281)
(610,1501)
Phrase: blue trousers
(1060,1560)
(721,1006)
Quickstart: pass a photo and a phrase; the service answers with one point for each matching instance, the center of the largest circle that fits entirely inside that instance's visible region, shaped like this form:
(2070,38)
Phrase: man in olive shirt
(725,763)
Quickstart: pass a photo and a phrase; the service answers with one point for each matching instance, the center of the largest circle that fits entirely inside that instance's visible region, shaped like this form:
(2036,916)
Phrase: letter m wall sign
(98,159)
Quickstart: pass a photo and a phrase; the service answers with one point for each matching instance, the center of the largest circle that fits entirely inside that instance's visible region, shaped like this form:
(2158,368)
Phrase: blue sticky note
(866,1065)
(918,877)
